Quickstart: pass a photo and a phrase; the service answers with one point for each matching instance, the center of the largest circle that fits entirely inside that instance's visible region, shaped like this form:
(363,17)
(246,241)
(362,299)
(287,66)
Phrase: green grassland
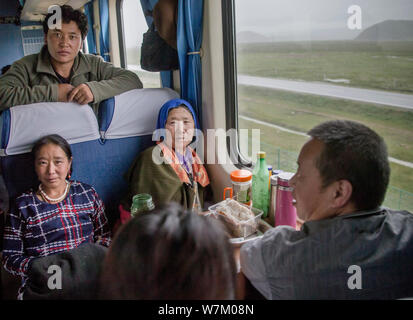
(282,149)
(149,79)
(374,65)
(301,112)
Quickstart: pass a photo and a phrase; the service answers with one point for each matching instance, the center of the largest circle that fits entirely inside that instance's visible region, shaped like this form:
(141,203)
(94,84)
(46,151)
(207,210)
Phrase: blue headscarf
(172,104)
(168,106)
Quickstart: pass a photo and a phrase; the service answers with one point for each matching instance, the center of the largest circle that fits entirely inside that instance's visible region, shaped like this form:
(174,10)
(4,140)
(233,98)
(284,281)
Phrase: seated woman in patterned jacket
(60,215)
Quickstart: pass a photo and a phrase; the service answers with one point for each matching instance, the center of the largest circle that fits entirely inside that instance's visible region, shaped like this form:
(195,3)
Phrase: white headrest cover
(136,112)
(74,122)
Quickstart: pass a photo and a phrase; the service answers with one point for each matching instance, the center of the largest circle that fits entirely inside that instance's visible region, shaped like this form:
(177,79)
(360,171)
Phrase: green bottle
(260,176)
(140,203)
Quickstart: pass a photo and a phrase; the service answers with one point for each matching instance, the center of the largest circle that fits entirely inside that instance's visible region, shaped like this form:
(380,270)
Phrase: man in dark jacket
(349,247)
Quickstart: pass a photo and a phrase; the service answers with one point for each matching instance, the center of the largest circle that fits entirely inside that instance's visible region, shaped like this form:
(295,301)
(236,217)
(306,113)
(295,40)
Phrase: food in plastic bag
(239,219)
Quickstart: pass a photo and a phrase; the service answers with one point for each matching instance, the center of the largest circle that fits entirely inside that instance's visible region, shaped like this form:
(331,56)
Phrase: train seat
(103,147)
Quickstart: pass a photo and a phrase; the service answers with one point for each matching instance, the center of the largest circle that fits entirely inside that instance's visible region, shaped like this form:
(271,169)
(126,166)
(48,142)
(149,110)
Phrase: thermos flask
(285,213)
(273,196)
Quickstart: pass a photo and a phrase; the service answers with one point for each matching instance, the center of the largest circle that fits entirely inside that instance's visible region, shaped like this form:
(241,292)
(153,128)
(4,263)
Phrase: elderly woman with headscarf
(180,175)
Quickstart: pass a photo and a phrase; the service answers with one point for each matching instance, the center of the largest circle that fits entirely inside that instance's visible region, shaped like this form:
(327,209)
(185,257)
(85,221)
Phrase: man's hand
(81,94)
(64,90)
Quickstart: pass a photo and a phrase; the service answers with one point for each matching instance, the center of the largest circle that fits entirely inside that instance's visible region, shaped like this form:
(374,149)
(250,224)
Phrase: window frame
(122,42)
(121,37)
(230,81)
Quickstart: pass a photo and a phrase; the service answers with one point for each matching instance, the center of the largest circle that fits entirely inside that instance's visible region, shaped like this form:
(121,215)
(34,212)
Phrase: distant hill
(251,37)
(389,30)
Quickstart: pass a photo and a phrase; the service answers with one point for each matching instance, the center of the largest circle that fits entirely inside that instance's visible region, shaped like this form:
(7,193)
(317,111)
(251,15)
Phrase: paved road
(330,90)
(391,159)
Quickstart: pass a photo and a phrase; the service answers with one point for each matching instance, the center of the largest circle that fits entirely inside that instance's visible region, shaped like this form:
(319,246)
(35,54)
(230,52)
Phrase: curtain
(147,5)
(104,29)
(190,13)
(90,37)
(166,76)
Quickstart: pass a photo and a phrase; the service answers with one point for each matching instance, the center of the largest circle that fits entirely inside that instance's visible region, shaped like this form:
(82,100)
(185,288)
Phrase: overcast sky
(135,22)
(291,19)
(314,19)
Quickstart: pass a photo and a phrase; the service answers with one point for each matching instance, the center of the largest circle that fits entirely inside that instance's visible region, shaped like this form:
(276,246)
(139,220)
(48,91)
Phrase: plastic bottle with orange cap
(241,188)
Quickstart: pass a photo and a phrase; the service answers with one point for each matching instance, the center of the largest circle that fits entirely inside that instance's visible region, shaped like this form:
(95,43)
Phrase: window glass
(300,63)
(134,26)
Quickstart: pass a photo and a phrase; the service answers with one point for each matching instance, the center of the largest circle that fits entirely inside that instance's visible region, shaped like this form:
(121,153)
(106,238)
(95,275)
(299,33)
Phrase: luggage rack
(32,39)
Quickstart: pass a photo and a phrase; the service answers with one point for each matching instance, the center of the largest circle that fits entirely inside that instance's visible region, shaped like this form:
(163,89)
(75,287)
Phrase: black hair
(5,69)
(69,14)
(355,153)
(170,253)
(56,140)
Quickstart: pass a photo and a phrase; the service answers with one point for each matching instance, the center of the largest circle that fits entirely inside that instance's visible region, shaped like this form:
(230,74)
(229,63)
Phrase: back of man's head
(68,14)
(355,153)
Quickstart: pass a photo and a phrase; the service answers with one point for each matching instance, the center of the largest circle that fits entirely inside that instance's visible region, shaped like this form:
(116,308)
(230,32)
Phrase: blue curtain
(90,37)
(190,13)
(166,76)
(104,29)
(147,5)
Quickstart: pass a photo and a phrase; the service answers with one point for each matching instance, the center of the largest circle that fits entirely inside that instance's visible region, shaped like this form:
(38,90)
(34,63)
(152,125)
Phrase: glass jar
(140,203)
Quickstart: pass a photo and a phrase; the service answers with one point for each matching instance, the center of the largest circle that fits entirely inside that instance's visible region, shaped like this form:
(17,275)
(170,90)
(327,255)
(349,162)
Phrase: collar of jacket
(80,65)
(316,225)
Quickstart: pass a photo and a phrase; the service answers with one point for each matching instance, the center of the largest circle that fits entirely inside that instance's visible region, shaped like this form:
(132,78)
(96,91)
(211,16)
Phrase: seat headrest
(24,125)
(133,113)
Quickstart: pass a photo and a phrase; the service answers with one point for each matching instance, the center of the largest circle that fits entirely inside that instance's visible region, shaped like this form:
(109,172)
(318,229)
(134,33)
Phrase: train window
(134,26)
(299,63)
